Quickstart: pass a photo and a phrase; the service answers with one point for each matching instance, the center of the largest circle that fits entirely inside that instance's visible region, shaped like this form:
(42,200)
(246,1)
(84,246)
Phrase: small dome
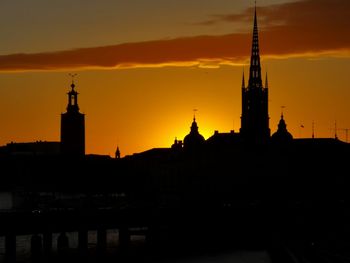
(193,139)
(282,134)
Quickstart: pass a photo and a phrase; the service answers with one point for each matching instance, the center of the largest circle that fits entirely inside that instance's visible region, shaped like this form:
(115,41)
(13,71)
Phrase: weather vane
(72,76)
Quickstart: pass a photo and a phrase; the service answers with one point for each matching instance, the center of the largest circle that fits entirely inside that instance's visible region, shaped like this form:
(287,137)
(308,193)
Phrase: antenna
(313,129)
(335,130)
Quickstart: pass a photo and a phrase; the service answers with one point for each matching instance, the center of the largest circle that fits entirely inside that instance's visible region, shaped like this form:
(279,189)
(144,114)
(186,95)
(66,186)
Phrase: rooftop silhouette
(243,189)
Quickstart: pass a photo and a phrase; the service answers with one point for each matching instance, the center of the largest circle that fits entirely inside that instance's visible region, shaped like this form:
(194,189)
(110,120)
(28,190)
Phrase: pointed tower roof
(72,105)
(255,67)
(243,81)
(282,126)
(194,126)
(117,153)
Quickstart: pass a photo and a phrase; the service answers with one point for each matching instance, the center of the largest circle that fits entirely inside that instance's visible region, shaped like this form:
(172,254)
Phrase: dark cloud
(308,26)
(290,29)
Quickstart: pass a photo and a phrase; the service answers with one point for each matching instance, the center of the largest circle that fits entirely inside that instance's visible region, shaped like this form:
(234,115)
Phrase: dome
(282,134)
(193,139)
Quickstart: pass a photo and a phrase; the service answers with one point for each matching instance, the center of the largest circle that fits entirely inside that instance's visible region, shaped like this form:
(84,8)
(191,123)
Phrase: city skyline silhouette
(205,73)
(259,188)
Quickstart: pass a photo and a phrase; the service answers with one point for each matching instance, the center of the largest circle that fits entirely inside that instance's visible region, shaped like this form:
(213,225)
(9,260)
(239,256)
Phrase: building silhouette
(255,118)
(246,189)
(194,140)
(73,127)
(37,148)
(282,135)
(117,153)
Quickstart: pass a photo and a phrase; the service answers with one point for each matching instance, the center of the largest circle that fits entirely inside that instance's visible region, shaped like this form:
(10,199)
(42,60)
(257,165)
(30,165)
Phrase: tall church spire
(255,118)
(255,67)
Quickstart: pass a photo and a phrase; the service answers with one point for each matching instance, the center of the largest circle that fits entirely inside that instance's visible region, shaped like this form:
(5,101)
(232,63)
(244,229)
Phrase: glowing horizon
(139,94)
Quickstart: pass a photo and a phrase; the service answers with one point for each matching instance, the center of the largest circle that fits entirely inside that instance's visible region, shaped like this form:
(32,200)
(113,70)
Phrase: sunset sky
(143,66)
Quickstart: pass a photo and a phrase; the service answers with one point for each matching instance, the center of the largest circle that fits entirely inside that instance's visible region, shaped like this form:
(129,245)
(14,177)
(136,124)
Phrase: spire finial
(282,108)
(194,114)
(72,76)
(313,129)
(255,19)
(255,66)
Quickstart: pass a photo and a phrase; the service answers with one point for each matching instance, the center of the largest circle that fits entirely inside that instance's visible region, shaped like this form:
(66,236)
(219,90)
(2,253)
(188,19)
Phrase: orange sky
(140,94)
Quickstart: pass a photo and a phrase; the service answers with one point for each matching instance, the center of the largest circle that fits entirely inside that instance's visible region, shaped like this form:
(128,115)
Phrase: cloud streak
(303,28)
(180,51)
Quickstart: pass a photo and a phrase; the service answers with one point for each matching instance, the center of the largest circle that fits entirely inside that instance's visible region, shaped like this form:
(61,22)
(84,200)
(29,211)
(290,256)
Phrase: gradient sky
(143,66)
